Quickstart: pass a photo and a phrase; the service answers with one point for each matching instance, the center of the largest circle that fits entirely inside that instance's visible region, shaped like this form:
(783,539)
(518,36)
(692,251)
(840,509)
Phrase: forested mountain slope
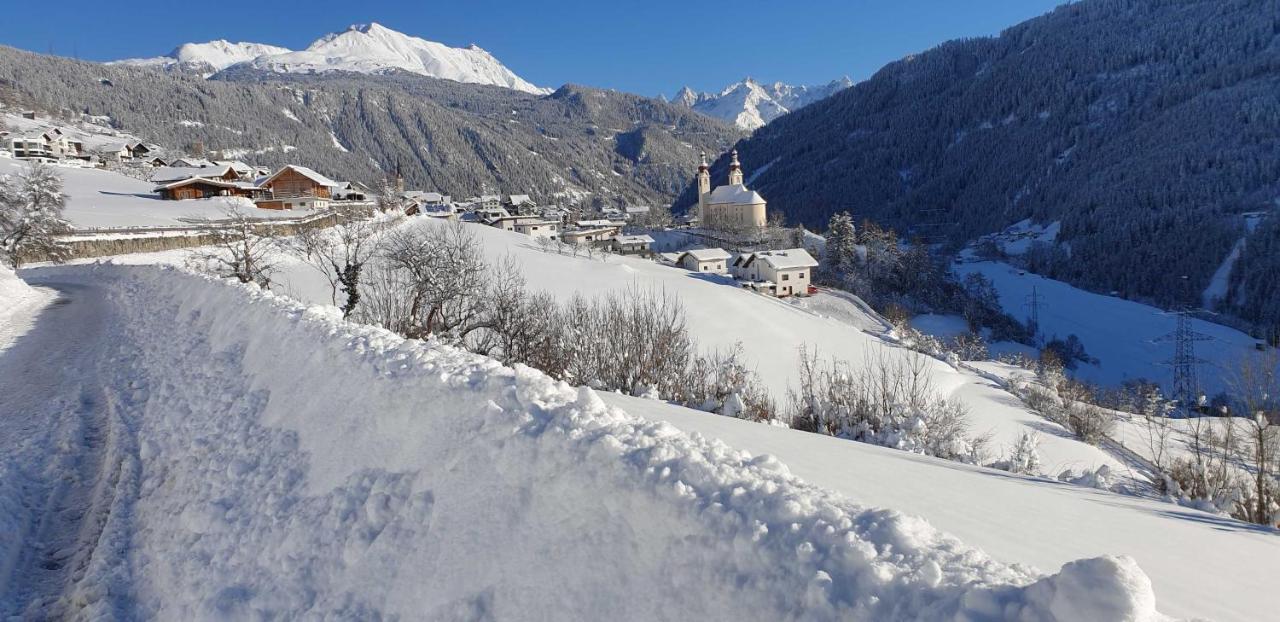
(577,142)
(1146,127)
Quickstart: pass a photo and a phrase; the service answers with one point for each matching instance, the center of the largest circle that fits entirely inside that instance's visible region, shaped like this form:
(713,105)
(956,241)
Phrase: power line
(1033,317)
(1186,384)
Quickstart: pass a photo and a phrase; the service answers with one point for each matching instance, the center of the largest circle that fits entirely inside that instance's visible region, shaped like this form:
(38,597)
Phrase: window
(786,277)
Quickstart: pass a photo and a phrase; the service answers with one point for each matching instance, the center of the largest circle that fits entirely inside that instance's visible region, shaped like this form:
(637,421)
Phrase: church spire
(735,169)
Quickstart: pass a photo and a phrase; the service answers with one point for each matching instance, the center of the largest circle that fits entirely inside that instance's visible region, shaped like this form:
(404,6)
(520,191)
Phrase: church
(731,207)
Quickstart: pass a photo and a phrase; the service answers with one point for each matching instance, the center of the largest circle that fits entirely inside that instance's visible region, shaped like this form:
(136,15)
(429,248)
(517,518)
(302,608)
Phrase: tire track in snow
(65,427)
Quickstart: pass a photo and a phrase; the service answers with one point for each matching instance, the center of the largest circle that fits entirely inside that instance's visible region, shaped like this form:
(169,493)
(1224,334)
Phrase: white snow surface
(19,304)
(98,198)
(265,459)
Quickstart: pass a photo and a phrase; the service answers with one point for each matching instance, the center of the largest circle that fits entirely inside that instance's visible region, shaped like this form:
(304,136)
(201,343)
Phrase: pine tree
(31,220)
(841,253)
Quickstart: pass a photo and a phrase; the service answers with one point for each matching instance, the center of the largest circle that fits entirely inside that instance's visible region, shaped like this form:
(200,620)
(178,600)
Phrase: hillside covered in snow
(362,48)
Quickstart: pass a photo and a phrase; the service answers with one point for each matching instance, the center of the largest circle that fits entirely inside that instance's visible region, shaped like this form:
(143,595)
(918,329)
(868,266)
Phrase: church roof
(736,194)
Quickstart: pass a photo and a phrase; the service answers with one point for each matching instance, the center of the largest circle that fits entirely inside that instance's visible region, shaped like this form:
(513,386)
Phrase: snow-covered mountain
(749,104)
(207,58)
(363,48)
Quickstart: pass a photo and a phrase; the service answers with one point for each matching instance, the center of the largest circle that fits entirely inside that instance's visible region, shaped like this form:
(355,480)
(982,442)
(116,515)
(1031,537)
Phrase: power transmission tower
(1033,317)
(1186,385)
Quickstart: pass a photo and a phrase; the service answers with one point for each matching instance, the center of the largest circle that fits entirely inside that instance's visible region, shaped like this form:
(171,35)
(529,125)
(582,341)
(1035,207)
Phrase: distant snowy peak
(749,104)
(362,48)
(373,48)
(208,57)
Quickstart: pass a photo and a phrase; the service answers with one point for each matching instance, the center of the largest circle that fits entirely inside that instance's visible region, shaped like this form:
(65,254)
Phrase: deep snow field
(286,462)
(98,198)
(1126,337)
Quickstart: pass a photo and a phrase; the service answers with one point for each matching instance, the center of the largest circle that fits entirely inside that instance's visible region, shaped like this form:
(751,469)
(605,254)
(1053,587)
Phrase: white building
(538,228)
(708,260)
(777,273)
(632,245)
(732,207)
(594,235)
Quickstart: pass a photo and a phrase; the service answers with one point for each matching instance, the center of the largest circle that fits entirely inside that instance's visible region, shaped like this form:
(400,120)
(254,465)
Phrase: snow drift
(294,463)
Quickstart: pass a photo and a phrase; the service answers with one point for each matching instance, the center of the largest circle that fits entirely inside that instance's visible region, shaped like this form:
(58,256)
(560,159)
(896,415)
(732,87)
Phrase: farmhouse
(202,188)
(587,236)
(709,260)
(779,273)
(297,187)
(632,245)
(538,228)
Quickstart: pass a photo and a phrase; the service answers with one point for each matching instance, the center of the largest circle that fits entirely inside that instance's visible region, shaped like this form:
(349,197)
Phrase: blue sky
(646,47)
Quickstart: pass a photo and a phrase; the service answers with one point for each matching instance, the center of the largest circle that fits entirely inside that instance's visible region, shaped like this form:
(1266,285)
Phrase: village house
(589,236)
(732,207)
(511,223)
(778,273)
(203,188)
(632,245)
(538,228)
(708,260)
(297,187)
(191,163)
(351,191)
(637,212)
(426,198)
(519,204)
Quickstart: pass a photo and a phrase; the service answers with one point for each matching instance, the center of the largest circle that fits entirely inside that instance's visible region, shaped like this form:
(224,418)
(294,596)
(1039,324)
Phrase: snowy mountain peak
(362,48)
(750,104)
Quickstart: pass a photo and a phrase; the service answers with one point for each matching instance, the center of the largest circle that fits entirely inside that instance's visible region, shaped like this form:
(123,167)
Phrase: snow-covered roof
(638,209)
(736,194)
(785,259)
(193,162)
(205,180)
(519,199)
(175,173)
(596,223)
(707,254)
(634,239)
(305,172)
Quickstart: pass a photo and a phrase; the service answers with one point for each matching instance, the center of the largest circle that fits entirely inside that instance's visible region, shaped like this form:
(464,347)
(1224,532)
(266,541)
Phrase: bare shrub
(244,249)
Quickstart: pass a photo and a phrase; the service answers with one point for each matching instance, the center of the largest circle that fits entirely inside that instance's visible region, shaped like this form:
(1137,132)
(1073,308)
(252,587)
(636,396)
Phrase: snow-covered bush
(889,400)
(1025,457)
(31,207)
(720,382)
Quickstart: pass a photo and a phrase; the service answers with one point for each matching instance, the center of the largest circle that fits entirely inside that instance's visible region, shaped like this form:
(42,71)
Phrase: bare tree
(1257,387)
(340,252)
(244,249)
(445,270)
(31,220)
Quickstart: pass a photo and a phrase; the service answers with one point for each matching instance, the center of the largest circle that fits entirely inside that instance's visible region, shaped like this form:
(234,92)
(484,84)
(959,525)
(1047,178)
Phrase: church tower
(704,185)
(735,170)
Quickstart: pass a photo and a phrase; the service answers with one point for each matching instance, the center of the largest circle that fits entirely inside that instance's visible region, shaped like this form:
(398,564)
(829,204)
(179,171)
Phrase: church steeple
(735,169)
(704,182)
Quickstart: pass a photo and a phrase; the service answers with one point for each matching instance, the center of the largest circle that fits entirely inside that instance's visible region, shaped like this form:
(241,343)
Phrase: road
(65,444)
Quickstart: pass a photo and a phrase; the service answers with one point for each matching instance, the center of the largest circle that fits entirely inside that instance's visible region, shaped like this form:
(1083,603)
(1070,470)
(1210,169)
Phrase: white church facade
(732,207)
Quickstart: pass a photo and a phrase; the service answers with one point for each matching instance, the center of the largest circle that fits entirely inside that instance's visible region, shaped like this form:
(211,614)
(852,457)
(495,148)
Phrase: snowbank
(293,463)
(18,304)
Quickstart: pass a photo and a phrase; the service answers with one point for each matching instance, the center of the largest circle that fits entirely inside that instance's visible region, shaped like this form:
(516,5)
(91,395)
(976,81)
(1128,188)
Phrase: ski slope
(239,455)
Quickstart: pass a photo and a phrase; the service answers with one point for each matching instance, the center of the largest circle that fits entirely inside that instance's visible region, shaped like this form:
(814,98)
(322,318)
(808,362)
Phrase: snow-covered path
(65,443)
(179,448)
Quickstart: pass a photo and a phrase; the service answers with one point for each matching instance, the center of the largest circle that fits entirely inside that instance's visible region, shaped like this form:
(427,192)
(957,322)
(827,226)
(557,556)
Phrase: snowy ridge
(295,463)
(749,104)
(362,48)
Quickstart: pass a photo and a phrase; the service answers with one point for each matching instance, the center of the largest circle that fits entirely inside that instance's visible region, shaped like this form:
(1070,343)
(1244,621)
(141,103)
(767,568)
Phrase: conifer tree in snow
(841,252)
(31,220)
